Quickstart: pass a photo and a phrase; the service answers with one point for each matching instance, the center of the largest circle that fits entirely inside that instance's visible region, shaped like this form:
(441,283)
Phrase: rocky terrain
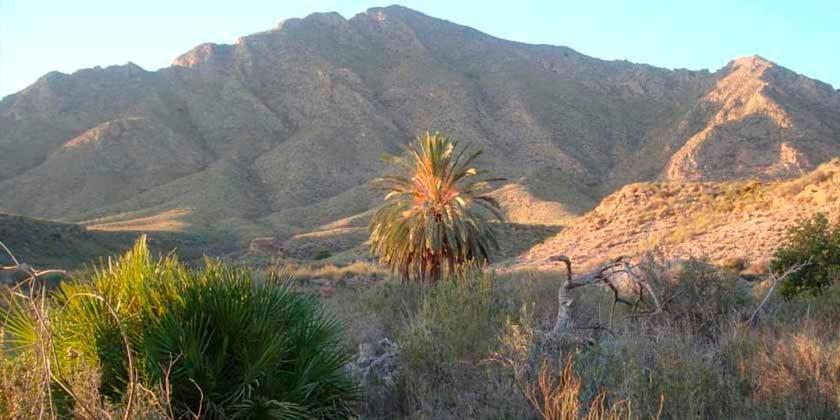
(278,134)
(737,223)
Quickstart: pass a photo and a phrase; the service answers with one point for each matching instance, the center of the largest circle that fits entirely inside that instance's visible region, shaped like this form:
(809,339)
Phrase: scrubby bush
(322,254)
(697,359)
(705,296)
(815,241)
(226,345)
(454,319)
(444,347)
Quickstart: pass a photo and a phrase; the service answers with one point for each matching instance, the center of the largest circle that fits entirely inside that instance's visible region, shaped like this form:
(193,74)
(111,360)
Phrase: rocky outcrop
(756,130)
(376,364)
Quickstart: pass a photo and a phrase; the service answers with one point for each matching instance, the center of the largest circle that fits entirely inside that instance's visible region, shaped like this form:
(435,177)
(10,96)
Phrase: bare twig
(776,279)
(132,375)
(165,390)
(200,401)
(45,348)
(639,281)
(10,253)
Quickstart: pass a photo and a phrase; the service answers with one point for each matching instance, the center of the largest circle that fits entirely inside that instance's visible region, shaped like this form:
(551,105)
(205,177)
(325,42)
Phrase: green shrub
(444,347)
(322,254)
(705,295)
(454,319)
(227,343)
(815,240)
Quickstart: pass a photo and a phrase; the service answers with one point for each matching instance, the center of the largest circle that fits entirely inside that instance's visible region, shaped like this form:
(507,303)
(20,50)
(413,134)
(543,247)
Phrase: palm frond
(433,219)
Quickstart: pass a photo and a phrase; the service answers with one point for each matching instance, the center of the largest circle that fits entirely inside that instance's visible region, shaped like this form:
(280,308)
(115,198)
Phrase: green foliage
(227,343)
(705,295)
(432,220)
(322,254)
(444,344)
(815,240)
(454,319)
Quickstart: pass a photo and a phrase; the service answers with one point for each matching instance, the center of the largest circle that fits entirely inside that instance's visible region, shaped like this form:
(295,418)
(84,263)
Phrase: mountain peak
(756,115)
(753,60)
(329,18)
(206,52)
(750,65)
(394,8)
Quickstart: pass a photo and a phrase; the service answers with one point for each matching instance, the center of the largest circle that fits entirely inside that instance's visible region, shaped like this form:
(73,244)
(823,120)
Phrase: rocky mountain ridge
(279,133)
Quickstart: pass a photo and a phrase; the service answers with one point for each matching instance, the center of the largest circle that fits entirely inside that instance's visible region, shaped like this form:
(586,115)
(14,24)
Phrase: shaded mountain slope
(46,244)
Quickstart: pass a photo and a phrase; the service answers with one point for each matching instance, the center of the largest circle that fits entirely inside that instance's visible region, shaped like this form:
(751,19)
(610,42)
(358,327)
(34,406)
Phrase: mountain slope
(47,244)
(767,122)
(720,220)
(280,132)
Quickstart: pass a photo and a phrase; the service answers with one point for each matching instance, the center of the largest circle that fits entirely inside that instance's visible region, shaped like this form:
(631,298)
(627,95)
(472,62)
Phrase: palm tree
(434,216)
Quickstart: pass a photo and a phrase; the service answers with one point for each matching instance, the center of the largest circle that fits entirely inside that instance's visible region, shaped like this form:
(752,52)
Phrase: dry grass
(558,397)
(166,221)
(335,273)
(696,360)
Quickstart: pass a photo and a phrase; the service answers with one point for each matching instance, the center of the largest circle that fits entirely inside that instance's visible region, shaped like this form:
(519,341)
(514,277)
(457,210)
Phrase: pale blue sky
(38,36)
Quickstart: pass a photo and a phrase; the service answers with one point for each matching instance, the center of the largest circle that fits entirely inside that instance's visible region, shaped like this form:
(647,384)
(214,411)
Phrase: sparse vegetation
(816,242)
(697,359)
(432,221)
(322,254)
(475,347)
(145,338)
(680,305)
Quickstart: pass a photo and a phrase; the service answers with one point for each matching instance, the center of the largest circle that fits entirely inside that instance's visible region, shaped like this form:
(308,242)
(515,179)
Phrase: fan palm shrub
(226,344)
(435,216)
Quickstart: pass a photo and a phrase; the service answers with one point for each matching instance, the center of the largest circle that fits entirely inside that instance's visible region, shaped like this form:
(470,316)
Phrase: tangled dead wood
(604,276)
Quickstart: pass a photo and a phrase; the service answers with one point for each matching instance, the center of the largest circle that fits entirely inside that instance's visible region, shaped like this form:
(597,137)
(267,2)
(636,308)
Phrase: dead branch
(775,280)
(603,276)
(47,353)
(636,279)
(14,260)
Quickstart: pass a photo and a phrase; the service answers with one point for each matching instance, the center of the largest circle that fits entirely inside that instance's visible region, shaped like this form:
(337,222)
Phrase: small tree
(816,240)
(433,218)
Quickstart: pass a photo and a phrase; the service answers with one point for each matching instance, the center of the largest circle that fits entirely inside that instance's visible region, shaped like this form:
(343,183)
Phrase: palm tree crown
(434,212)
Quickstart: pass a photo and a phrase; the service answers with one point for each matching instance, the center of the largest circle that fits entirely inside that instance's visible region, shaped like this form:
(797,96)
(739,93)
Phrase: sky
(39,36)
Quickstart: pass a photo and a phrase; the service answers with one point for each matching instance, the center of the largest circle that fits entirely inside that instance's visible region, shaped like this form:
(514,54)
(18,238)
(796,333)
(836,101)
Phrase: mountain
(279,133)
(760,120)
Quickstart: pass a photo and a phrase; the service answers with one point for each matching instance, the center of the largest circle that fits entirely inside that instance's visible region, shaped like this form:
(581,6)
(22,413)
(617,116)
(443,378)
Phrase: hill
(734,222)
(279,133)
(47,244)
